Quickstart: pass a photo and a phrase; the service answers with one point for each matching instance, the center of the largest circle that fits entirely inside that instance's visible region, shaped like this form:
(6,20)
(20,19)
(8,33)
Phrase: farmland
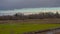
(21,26)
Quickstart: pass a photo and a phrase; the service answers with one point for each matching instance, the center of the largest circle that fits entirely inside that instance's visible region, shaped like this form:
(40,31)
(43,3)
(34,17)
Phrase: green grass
(21,28)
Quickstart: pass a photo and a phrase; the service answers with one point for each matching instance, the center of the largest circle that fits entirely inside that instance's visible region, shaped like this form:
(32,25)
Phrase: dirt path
(43,21)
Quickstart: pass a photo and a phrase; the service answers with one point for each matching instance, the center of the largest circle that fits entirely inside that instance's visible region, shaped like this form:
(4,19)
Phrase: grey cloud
(18,4)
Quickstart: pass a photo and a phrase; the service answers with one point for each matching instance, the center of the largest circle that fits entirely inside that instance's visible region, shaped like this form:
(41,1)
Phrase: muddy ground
(43,21)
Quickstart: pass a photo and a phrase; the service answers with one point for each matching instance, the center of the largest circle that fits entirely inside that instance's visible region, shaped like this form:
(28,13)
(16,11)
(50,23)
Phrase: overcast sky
(13,6)
(19,4)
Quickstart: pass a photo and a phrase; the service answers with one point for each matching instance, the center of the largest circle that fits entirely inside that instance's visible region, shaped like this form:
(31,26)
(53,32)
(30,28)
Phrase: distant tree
(41,15)
(49,15)
(19,15)
(57,15)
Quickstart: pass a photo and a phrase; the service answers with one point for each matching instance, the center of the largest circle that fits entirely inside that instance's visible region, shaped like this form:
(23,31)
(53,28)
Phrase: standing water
(53,31)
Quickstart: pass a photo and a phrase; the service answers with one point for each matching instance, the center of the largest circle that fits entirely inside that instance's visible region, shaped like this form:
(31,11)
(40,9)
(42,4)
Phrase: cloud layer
(19,4)
(27,11)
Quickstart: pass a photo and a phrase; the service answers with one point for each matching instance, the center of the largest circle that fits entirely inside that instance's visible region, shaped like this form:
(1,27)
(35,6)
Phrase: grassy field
(21,28)
(24,26)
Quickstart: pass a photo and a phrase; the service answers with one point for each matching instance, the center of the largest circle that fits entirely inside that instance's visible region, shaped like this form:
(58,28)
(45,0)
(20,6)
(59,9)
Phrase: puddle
(53,32)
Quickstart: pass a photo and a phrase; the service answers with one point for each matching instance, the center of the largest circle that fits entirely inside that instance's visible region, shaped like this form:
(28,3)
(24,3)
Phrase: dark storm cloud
(18,4)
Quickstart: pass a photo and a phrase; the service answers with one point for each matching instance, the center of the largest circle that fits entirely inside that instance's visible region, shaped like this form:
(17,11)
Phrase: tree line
(31,16)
